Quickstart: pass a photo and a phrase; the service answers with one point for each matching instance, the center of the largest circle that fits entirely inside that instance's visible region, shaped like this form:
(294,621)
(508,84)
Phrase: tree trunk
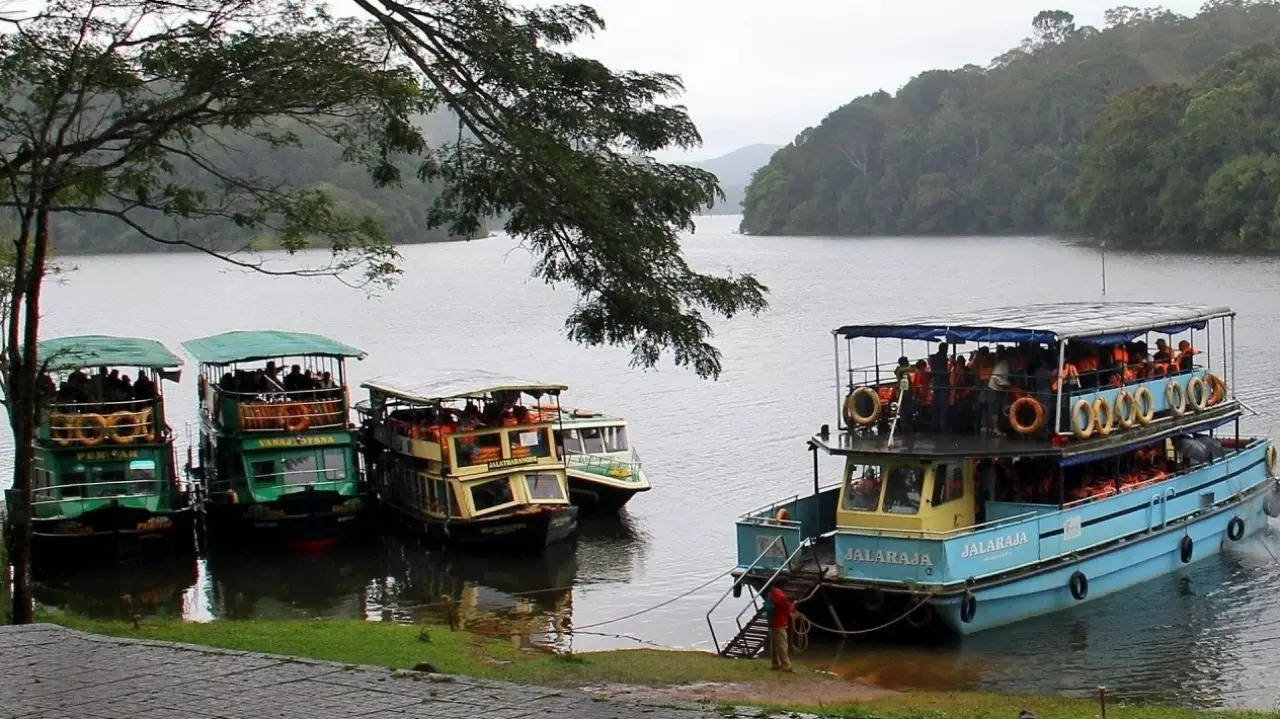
(24,408)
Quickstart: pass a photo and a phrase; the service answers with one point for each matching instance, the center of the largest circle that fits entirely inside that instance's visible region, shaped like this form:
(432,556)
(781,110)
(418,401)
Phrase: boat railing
(936,534)
(53,494)
(626,470)
(88,424)
(740,580)
(282,481)
(292,411)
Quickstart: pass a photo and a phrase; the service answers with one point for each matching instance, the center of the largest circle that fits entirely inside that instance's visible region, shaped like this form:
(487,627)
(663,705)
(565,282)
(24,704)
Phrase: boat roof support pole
(1057,413)
(835,345)
(1232,368)
(817,504)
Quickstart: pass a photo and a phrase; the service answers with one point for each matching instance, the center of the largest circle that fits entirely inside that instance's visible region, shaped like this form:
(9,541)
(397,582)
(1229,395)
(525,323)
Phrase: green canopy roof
(63,353)
(248,345)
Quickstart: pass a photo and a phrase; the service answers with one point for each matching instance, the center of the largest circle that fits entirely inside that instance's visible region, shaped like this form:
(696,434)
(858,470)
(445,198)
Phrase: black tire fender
(1079,585)
(1185,548)
(968,607)
(1235,529)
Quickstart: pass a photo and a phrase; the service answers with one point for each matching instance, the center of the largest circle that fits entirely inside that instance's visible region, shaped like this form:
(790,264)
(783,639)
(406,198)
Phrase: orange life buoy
(124,426)
(1217,389)
(294,417)
(62,428)
(1015,419)
(90,429)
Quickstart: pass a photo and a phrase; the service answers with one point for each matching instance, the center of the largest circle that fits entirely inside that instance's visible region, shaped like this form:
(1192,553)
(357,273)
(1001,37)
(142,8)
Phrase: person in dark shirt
(143,388)
(940,379)
(295,381)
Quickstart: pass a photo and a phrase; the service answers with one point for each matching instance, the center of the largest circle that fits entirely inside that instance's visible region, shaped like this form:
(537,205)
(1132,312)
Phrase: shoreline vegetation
(663,676)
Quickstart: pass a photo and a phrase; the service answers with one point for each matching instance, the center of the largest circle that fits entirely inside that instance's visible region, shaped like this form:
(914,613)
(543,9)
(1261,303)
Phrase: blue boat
(1078,450)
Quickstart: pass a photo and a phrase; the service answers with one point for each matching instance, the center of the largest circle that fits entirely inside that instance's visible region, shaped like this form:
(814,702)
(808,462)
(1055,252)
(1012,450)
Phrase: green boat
(603,469)
(276,458)
(105,483)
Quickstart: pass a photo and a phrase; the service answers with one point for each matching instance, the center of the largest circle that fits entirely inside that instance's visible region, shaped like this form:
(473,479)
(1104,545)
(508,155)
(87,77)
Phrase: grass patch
(468,653)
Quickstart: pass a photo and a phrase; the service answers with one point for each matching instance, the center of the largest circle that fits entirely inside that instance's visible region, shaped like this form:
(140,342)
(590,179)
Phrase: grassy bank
(468,653)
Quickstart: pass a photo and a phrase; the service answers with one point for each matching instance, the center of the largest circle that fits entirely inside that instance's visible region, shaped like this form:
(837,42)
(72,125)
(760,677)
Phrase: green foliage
(1189,166)
(996,149)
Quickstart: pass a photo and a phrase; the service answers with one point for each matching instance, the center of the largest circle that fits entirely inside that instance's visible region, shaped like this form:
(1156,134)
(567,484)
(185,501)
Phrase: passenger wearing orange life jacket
(920,382)
(1088,366)
(1185,353)
(1068,376)
(955,377)
(1163,353)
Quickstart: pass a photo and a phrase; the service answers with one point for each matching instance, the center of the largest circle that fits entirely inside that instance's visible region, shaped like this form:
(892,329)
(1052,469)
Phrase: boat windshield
(596,440)
(902,485)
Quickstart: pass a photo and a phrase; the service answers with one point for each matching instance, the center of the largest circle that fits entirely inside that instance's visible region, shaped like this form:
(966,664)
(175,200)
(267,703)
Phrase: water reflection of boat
(610,549)
(284,584)
(121,591)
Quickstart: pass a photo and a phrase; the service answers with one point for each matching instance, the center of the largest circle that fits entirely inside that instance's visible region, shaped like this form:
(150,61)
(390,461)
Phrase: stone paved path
(47,671)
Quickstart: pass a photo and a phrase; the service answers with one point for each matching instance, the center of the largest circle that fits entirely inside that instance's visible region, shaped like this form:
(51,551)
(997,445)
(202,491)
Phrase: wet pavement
(49,671)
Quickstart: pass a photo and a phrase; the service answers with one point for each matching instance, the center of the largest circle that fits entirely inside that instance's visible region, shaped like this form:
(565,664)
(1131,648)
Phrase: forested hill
(315,164)
(994,149)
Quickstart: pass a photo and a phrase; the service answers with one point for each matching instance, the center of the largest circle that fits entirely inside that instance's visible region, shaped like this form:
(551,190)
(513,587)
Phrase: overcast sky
(762,70)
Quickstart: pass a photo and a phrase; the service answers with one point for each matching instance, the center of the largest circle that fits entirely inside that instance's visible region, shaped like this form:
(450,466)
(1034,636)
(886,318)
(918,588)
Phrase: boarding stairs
(753,634)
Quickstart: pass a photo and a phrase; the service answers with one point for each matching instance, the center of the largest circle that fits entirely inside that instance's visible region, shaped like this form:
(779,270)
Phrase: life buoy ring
(1175,398)
(1015,421)
(1197,394)
(1217,389)
(1079,585)
(1145,405)
(1272,460)
(90,429)
(1185,548)
(1126,408)
(123,427)
(294,417)
(62,428)
(968,607)
(851,413)
(1102,408)
(147,430)
(1083,428)
(1235,529)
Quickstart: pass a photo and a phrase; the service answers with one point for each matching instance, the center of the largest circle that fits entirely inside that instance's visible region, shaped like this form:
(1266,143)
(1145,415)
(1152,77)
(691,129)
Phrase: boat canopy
(69,353)
(1093,322)
(249,345)
(460,384)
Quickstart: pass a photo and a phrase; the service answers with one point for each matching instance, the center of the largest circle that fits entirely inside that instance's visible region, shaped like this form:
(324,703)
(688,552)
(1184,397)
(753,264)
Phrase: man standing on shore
(779,610)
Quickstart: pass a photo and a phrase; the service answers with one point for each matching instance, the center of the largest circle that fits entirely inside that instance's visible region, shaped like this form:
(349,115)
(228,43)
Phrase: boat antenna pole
(1103,247)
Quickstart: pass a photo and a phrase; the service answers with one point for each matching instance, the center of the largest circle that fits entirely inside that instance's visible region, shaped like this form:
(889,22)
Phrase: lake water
(1207,635)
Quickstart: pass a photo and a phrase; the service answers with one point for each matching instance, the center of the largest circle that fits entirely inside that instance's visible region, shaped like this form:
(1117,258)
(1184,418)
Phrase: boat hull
(527,529)
(593,494)
(1124,565)
(304,518)
(114,533)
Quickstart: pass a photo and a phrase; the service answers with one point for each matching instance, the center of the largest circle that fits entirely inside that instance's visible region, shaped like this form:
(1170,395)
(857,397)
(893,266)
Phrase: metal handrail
(993,524)
(37,491)
(737,582)
(785,565)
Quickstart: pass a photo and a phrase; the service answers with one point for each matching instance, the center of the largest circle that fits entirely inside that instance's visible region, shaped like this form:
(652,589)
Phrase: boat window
(265,473)
(107,481)
(570,441)
(300,469)
(615,439)
(335,464)
(592,442)
(494,493)
(440,496)
(862,490)
(73,483)
(143,474)
(902,490)
(529,443)
(543,486)
(477,449)
(948,483)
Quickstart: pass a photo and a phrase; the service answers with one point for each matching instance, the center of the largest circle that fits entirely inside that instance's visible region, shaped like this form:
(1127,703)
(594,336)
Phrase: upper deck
(465,423)
(263,381)
(1070,379)
(92,401)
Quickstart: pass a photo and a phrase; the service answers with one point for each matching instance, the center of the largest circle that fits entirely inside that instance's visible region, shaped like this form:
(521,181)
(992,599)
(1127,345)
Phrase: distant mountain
(734,170)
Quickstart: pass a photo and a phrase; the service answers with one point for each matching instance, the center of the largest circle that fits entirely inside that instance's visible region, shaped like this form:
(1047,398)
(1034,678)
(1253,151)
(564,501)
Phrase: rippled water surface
(1209,634)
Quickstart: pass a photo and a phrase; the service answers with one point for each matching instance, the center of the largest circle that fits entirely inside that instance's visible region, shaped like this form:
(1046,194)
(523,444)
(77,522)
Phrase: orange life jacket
(1068,373)
(1088,363)
(1120,354)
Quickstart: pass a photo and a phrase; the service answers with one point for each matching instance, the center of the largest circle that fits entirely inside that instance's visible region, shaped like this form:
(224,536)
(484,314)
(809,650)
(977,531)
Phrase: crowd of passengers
(979,389)
(438,420)
(269,381)
(1036,480)
(103,393)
